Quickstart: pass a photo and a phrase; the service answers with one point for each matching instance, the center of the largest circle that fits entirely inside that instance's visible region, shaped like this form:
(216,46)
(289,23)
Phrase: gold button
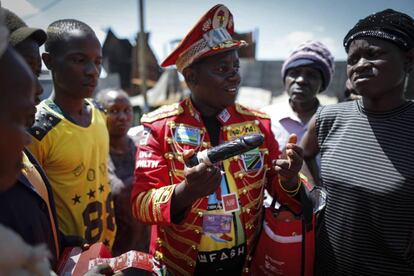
(249,226)
(159,241)
(240,175)
(50,119)
(256,122)
(194,247)
(244,191)
(158,255)
(204,144)
(248,210)
(168,156)
(162,230)
(200,214)
(197,231)
(169,140)
(246,269)
(294,234)
(249,258)
(190,263)
(237,157)
(228,128)
(37,132)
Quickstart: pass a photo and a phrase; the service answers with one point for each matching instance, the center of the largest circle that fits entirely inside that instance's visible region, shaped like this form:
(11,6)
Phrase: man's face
(119,114)
(76,65)
(29,50)
(217,80)
(303,83)
(17,99)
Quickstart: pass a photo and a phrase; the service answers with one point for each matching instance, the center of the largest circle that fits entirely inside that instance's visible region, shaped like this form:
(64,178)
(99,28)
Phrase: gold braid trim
(253,218)
(251,204)
(164,111)
(158,197)
(139,207)
(255,185)
(254,236)
(179,238)
(171,264)
(177,253)
(251,112)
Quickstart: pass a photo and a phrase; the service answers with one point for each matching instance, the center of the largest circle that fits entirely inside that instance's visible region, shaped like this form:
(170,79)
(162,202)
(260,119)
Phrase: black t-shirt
(213,128)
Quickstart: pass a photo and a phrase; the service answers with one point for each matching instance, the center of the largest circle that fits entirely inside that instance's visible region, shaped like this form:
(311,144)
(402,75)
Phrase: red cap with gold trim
(211,35)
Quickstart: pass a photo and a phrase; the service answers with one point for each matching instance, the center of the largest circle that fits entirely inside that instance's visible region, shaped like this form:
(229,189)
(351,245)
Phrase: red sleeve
(152,190)
(273,185)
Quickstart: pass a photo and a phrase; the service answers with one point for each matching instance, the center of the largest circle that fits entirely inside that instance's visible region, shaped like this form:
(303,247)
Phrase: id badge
(230,203)
(217,224)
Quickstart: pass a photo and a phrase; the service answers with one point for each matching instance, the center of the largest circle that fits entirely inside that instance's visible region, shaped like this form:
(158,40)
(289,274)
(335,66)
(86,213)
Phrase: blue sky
(280,25)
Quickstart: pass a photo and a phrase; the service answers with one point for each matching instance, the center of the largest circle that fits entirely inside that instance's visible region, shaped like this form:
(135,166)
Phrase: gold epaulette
(251,112)
(162,112)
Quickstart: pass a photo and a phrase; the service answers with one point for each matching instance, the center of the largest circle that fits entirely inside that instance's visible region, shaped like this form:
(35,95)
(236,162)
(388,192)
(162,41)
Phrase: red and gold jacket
(160,167)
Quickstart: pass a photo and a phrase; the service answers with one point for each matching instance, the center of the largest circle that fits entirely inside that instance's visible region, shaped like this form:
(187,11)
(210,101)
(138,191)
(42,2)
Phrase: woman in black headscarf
(367,154)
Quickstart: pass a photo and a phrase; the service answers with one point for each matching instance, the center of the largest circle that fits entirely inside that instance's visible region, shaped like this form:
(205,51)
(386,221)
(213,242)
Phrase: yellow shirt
(75,160)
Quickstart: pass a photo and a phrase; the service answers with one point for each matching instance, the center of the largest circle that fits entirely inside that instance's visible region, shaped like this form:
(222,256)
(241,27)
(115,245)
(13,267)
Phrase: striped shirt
(367,168)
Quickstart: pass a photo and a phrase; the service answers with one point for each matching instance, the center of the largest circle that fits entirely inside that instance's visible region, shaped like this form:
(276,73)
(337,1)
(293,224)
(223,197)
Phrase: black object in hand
(226,150)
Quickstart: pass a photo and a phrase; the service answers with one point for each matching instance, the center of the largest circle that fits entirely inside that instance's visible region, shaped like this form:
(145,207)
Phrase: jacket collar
(224,116)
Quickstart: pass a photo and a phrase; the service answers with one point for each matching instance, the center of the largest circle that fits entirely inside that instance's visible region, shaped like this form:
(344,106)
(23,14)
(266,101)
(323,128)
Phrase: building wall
(267,75)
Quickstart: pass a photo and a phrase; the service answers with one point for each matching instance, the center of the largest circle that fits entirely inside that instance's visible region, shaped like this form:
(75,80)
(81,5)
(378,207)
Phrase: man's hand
(289,168)
(202,179)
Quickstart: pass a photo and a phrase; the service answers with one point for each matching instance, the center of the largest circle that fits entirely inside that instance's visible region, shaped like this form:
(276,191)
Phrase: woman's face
(119,114)
(375,68)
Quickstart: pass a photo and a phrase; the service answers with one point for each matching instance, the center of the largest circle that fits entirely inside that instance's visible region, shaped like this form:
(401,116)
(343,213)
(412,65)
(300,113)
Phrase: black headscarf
(390,25)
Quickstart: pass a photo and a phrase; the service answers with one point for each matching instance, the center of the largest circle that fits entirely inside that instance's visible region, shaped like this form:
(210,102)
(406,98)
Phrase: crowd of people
(71,176)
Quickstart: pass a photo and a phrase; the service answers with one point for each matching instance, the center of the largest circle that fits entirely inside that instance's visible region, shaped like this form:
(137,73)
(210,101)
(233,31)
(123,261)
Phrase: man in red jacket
(206,219)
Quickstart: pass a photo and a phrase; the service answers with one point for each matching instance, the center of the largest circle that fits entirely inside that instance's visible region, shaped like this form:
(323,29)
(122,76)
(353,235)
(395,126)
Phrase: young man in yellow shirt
(70,139)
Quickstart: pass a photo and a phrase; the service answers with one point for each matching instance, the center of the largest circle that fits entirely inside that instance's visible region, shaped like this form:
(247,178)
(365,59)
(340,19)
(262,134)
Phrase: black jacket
(24,211)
